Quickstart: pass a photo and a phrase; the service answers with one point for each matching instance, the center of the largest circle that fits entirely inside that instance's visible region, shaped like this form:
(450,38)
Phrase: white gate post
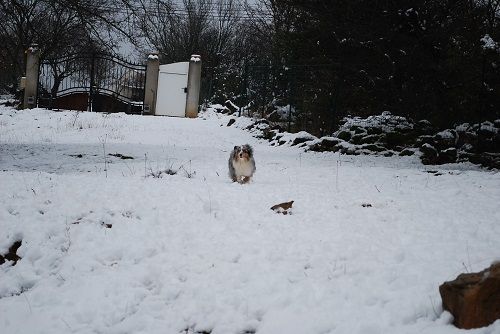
(193,87)
(151,86)
(31,83)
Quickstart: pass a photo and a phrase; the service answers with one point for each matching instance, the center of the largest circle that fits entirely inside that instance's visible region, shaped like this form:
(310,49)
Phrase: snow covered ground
(109,247)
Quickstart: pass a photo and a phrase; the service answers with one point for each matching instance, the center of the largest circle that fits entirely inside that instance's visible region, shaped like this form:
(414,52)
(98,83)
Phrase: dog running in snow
(241,164)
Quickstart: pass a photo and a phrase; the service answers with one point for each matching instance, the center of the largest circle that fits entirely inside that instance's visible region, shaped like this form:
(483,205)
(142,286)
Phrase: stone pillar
(31,83)
(151,87)
(193,87)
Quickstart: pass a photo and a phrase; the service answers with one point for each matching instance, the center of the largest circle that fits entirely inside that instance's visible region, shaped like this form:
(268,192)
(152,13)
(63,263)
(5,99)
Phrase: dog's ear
(248,148)
(235,148)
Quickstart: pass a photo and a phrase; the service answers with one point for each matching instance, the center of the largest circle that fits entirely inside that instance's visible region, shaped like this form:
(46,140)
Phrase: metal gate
(93,82)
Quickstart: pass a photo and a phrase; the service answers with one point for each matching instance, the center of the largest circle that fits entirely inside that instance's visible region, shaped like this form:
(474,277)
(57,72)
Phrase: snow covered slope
(112,245)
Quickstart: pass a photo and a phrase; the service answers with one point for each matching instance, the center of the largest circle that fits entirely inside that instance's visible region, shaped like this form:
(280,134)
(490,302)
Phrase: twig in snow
(75,118)
(433,308)
(468,254)
(337,177)
(103,141)
(67,325)
(27,301)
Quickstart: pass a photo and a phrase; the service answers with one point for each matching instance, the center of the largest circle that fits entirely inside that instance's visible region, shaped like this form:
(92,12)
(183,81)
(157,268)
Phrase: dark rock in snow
(488,138)
(473,298)
(220,109)
(268,134)
(371,139)
(448,156)
(467,148)
(374,131)
(302,138)
(406,152)
(429,154)
(424,127)
(231,122)
(325,144)
(257,123)
(373,147)
(466,137)
(486,159)
(231,106)
(357,129)
(344,135)
(394,139)
(446,139)
(425,139)
(360,131)
(349,150)
(356,139)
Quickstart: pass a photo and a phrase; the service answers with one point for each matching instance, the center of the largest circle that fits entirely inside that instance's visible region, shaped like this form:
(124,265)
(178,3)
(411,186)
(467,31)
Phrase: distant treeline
(426,59)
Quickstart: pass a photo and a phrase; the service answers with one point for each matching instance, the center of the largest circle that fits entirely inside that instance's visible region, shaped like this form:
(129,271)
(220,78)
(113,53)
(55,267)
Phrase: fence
(8,80)
(298,97)
(91,82)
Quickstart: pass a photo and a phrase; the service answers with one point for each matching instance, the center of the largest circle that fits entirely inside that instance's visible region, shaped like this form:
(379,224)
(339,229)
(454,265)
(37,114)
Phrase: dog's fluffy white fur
(241,164)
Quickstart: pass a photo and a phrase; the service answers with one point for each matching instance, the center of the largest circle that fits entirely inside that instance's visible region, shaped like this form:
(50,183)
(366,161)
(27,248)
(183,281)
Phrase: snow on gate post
(151,86)
(31,81)
(193,86)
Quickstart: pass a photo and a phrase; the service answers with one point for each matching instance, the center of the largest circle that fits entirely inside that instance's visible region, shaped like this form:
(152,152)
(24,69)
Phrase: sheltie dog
(241,164)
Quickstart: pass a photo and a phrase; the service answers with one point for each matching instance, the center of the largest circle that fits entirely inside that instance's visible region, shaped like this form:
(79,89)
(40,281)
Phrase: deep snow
(193,252)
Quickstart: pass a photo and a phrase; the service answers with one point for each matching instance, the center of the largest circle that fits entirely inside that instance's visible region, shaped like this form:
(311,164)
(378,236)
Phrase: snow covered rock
(448,156)
(219,108)
(371,139)
(385,121)
(325,144)
(429,154)
(344,135)
(294,139)
(231,106)
(425,139)
(373,148)
(386,130)
(488,138)
(446,139)
(424,127)
(486,159)
(473,298)
(303,137)
(406,152)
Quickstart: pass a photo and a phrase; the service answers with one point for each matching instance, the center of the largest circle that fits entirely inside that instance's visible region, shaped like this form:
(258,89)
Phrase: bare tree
(206,27)
(58,27)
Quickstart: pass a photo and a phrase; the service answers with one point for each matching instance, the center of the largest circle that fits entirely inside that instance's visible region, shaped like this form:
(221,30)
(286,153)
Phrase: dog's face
(242,152)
